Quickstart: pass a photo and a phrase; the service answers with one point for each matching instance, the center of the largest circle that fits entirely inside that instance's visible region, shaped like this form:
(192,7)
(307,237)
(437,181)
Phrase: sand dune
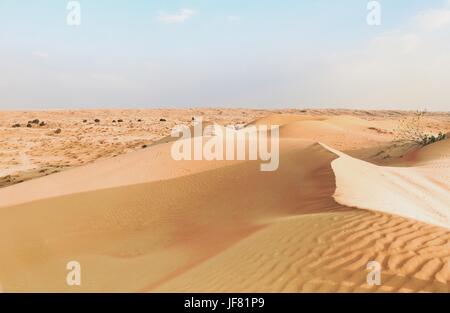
(143,166)
(407,192)
(192,216)
(436,153)
(328,252)
(333,133)
(144,222)
(284,119)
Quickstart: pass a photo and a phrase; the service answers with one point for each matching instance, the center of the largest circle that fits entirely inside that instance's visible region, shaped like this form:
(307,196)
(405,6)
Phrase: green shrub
(429,139)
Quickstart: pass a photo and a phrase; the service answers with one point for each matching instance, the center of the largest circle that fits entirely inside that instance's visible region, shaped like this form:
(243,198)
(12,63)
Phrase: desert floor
(109,195)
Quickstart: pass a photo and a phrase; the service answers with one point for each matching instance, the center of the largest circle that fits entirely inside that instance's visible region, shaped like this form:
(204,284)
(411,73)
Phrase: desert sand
(110,196)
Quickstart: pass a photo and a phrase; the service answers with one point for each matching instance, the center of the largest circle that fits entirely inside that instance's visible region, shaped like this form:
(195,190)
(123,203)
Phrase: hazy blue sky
(227,53)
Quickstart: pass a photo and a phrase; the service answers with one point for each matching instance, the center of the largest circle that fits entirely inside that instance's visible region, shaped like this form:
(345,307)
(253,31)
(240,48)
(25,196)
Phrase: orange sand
(144,222)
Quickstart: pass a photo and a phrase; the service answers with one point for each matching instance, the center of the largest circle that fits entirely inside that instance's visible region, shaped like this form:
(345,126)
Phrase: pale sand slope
(421,192)
(214,226)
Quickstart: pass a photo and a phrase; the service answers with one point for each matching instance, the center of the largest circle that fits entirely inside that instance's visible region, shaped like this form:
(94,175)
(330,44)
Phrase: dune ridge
(404,191)
(144,222)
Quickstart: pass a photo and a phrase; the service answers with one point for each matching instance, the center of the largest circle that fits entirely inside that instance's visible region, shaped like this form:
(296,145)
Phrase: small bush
(411,129)
(429,139)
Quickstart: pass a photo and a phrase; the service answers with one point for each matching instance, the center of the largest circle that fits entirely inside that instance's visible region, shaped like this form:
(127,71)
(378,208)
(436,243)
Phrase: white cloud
(179,17)
(406,68)
(433,19)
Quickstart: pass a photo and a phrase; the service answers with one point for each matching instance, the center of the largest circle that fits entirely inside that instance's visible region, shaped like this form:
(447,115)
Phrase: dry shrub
(411,129)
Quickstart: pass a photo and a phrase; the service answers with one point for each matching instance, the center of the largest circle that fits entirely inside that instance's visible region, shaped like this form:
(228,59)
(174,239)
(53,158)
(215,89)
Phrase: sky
(225,53)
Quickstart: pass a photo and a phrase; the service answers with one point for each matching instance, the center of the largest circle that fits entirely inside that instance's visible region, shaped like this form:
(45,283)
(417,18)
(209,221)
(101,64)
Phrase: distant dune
(144,222)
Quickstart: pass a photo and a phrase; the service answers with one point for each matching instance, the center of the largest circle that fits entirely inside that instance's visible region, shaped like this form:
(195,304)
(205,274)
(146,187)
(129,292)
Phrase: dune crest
(404,191)
(145,222)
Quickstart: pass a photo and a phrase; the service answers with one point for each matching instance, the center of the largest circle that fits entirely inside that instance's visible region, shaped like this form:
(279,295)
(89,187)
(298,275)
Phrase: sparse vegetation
(411,129)
(429,139)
